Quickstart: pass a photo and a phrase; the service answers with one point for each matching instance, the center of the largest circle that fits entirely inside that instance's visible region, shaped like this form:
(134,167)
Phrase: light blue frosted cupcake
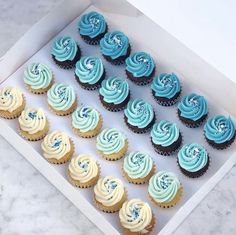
(138,167)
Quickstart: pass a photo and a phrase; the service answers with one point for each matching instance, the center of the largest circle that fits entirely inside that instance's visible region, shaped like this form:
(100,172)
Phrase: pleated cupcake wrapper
(64,113)
(66,67)
(16,113)
(76,183)
(110,210)
(95,132)
(170,204)
(153,170)
(143,83)
(42,90)
(59,161)
(138,131)
(118,156)
(171,152)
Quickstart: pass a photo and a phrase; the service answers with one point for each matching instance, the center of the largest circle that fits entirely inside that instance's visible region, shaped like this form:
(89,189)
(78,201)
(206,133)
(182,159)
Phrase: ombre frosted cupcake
(193,110)
(219,131)
(166,137)
(140,68)
(109,194)
(193,160)
(114,93)
(83,171)
(57,147)
(86,122)
(165,189)
(38,78)
(139,116)
(138,167)
(111,144)
(62,99)
(65,52)
(92,27)
(33,124)
(115,47)
(136,217)
(166,89)
(12,102)
(89,72)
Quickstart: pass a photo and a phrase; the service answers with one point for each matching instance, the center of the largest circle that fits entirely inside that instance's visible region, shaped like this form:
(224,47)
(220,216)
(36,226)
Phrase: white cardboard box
(170,55)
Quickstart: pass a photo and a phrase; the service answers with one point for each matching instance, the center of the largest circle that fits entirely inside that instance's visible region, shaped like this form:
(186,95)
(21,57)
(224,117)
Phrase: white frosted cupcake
(57,147)
(33,124)
(83,171)
(109,194)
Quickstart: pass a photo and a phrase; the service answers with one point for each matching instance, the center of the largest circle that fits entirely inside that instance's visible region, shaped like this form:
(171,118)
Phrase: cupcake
(219,131)
(65,52)
(12,102)
(92,27)
(33,124)
(193,110)
(166,137)
(193,160)
(139,116)
(57,147)
(166,89)
(38,78)
(111,144)
(138,167)
(61,99)
(89,72)
(136,217)
(83,171)
(114,93)
(86,122)
(109,194)
(115,47)
(165,189)
(140,68)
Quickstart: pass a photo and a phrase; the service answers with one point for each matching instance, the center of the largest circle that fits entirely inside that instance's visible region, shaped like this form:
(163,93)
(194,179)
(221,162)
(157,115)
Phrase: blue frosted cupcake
(193,160)
(219,131)
(140,68)
(115,47)
(92,27)
(139,116)
(166,89)
(65,52)
(166,137)
(193,110)
(89,72)
(114,93)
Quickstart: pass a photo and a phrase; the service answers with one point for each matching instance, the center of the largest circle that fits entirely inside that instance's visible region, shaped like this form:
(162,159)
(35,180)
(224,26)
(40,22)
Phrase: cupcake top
(56,145)
(163,186)
(85,118)
(92,24)
(114,44)
(166,85)
(10,99)
(32,120)
(135,215)
(139,113)
(192,157)
(164,133)
(64,48)
(114,90)
(219,129)
(38,76)
(83,168)
(140,64)
(193,107)
(109,190)
(89,69)
(137,164)
(61,96)
(110,141)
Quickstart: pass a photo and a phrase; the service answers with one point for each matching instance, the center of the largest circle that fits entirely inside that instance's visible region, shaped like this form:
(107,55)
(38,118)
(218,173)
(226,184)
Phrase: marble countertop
(29,204)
